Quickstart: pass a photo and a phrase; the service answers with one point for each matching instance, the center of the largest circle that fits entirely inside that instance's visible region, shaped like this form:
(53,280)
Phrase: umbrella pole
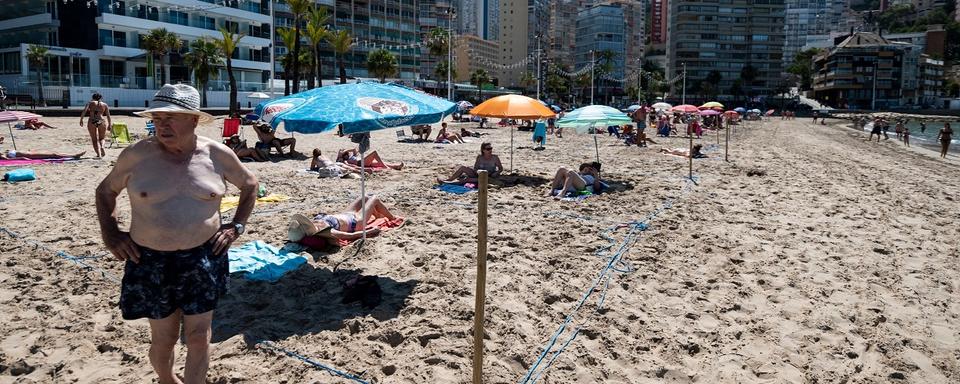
(511,149)
(690,152)
(14,139)
(596,146)
(363,202)
(726,146)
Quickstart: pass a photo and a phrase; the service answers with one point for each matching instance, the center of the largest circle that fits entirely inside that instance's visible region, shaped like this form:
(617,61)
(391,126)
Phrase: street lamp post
(639,79)
(592,73)
(683,94)
(450,15)
(538,65)
(873,100)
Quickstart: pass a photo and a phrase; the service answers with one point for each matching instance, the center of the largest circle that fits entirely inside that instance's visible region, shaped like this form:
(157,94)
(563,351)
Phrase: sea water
(926,138)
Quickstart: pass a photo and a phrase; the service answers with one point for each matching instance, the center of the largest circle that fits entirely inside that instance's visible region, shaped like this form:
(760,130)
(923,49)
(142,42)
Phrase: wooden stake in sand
(481,279)
(690,151)
(726,145)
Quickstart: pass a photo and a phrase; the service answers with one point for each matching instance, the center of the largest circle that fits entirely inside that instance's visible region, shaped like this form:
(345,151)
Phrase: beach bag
(21,174)
(364,289)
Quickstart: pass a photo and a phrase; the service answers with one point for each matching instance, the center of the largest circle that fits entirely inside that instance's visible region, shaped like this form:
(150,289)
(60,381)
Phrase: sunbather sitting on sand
(447,137)
(13,154)
(267,136)
(327,168)
(570,181)
(486,161)
(683,152)
(240,148)
(35,124)
(373,160)
(347,225)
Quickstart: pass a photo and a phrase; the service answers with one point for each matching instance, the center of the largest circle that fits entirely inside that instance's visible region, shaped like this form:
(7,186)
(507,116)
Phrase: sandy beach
(813,256)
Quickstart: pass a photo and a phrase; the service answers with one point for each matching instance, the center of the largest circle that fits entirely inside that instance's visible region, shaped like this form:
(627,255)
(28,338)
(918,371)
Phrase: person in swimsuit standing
(944,136)
(96,126)
(486,161)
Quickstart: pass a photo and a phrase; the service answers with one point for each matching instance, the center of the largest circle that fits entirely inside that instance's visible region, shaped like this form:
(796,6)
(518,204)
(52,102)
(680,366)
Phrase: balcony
(194,32)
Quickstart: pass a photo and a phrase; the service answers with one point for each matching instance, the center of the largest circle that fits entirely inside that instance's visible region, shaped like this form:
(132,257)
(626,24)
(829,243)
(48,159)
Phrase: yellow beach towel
(231,202)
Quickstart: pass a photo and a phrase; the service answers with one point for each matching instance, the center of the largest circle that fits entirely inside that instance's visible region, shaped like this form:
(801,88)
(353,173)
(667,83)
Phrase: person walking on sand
(96,126)
(906,136)
(176,249)
(923,127)
(876,130)
(944,137)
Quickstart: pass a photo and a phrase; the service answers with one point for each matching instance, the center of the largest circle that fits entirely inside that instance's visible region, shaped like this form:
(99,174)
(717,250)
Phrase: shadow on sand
(513,180)
(307,300)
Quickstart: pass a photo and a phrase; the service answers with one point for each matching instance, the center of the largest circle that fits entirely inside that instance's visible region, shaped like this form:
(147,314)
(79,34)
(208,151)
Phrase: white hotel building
(96,47)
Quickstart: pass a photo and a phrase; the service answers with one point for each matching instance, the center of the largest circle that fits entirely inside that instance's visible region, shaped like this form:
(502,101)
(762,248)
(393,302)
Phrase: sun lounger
(119,135)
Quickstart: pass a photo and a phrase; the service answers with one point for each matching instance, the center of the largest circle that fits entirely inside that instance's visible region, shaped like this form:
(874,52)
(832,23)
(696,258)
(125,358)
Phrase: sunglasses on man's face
(488,148)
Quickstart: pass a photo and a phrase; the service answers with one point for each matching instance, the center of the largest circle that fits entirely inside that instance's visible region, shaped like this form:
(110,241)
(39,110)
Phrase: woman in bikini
(344,225)
(373,160)
(16,155)
(568,180)
(486,161)
(96,126)
(944,137)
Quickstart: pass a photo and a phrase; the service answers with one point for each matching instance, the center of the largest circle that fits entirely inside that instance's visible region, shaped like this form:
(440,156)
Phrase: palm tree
(316,33)
(526,80)
(382,64)
(37,55)
(158,44)
(204,59)
(749,73)
(228,43)
(437,45)
(441,71)
(342,43)
(298,8)
(287,36)
(479,78)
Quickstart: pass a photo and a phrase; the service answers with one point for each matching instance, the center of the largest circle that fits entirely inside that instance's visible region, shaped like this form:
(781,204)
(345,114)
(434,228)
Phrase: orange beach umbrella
(512,107)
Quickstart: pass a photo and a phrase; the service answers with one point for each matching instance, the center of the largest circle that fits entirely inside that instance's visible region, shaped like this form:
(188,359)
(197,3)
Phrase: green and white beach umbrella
(591,116)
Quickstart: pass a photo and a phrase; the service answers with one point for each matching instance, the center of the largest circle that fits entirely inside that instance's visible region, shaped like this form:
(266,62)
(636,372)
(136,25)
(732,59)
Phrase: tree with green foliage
(228,43)
(298,8)
(37,56)
(342,43)
(802,67)
(204,60)
(440,71)
(381,64)
(479,78)
(316,33)
(557,85)
(748,74)
(159,43)
(287,36)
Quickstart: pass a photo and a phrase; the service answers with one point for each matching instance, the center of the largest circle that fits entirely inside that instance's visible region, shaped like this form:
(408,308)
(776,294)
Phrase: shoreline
(924,148)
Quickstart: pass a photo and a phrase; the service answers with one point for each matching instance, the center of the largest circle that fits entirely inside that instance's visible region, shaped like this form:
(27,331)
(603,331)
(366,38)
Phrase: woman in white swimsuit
(96,126)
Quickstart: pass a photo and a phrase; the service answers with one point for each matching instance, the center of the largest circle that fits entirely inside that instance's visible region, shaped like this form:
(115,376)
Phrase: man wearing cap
(175,250)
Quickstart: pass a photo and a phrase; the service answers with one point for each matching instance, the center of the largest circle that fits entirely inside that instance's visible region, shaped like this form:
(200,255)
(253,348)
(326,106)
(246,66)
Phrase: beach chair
(404,138)
(119,135)
(230,127)
(151,129)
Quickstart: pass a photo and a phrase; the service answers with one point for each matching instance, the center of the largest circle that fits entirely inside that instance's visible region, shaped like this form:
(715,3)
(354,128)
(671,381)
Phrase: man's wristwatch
(238,227)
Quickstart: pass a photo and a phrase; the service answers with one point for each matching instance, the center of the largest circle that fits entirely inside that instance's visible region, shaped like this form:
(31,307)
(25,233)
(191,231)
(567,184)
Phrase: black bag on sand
(364,289)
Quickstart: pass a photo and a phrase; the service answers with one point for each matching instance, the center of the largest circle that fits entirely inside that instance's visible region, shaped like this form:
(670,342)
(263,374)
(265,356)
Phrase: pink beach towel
(20,162)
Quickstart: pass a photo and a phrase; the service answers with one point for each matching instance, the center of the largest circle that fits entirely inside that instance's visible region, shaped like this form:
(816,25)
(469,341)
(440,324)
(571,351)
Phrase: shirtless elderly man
(176,263)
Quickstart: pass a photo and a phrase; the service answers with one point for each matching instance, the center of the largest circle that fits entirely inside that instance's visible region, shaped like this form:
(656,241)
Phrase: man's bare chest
(161,180)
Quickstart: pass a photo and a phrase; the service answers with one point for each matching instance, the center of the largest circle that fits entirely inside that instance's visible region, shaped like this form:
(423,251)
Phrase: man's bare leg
(163,338)
(196,328)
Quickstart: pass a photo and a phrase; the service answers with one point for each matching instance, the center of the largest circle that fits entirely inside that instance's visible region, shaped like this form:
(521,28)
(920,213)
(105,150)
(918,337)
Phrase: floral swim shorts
(192,280)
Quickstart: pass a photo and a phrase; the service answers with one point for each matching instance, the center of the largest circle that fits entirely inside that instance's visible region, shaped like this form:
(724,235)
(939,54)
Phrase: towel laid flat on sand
(19,162)
(263,262)
(231,202)
(454,189)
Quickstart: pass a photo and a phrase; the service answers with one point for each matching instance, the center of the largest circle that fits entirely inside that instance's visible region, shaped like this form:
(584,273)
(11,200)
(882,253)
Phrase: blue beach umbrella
(633,108)
(582,119)
(740,110)
(359,107)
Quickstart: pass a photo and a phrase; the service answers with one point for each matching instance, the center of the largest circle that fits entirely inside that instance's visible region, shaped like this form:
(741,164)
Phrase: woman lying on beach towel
(373,160)
(327,168)
(12,154)
(486,161)
(347,225)
(684,153)
(570,181)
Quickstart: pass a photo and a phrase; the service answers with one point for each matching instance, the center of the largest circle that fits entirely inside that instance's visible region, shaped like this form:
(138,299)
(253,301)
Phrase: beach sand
(813,256)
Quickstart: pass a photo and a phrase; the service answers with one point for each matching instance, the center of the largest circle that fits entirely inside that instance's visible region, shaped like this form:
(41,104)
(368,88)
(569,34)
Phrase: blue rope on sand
(79,260)
(615,263)
(334,371)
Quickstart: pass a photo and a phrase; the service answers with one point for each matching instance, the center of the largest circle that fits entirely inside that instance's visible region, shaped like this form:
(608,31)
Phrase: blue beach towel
(262,261)
(454,189)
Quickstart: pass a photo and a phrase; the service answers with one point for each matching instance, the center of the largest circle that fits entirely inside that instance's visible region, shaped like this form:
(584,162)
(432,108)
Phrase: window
(178,17)
(10,62)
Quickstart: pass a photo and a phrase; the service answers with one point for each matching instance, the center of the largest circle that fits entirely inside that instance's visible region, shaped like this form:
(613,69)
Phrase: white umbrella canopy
(258,95)
(661,106)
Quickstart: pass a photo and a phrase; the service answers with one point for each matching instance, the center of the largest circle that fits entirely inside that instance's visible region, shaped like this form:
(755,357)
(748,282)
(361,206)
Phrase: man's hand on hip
(223,238)
(122,246)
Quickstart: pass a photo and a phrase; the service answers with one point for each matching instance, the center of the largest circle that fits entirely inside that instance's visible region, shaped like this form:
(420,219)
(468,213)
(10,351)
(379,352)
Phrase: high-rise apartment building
(634,26)
(809,17)
(659,11)
(479,17)
(474,53)
(522,23)
(562,32)
(727,38)
(601,30)
(393,25)
(100,47)
(433,14)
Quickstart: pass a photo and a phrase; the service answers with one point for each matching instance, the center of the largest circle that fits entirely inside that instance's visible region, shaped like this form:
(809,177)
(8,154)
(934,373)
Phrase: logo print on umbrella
(274,109)
(393,112)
